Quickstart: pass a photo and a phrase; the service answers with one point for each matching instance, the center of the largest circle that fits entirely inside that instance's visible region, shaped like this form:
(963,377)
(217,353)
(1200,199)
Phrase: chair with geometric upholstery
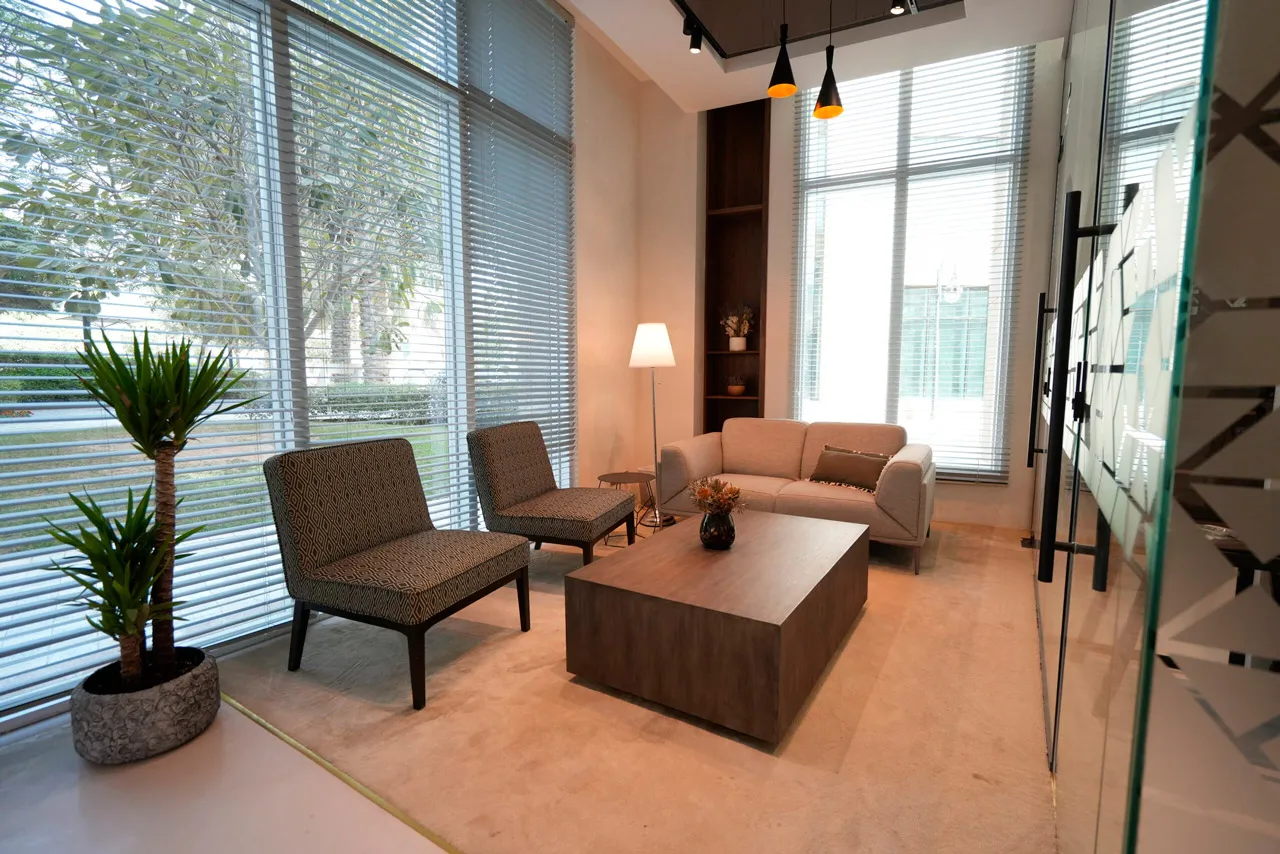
(356,541)
(518,492)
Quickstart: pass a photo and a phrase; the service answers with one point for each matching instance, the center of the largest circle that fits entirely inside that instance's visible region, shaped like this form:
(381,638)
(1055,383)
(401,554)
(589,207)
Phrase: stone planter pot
(737,344)
(111,729)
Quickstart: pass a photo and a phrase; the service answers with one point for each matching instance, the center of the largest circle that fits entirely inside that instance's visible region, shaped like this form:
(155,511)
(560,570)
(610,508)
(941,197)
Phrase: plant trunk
(131,659)
(163,658)
(340,341)
(374,310)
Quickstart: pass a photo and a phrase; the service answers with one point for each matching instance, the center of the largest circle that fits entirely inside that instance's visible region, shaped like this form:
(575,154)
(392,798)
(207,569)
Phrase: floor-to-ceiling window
(367,203)
(908,234)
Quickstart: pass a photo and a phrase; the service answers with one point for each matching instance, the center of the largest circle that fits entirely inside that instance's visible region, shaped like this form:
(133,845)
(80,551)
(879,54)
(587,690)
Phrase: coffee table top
(774,564)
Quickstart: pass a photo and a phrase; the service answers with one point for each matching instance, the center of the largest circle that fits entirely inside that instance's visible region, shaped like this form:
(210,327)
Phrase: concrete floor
(237,787)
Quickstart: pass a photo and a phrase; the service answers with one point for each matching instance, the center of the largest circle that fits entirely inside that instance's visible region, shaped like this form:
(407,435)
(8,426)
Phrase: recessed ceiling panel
(737,27)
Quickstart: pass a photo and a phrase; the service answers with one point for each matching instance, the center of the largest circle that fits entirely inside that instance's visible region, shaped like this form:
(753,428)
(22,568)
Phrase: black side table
(644,480)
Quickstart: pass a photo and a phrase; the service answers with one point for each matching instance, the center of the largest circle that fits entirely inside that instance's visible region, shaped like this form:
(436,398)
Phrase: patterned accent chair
(357,541)
(518,492)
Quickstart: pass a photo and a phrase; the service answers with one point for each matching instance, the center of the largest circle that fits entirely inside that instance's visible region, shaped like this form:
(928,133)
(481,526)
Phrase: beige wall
(670,222)
(606,182)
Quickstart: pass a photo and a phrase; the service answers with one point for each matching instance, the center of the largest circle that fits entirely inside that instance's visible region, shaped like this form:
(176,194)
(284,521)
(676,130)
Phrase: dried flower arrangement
(713,495)
(737,321)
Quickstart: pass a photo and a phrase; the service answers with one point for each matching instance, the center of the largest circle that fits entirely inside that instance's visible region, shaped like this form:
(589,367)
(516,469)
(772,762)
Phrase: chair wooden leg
(537,545)
(298,637)
(522,594)
(631,530)
(588,553)
(418,666)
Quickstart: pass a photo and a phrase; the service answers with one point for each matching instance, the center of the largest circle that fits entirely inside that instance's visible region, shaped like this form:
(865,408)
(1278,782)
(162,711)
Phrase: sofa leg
(537,545)
(631,530)
(418,665)
(522,595)
(298,637)
(915,558)
(588,553)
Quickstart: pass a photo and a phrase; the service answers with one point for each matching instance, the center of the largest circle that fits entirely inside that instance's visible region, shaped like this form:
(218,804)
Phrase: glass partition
(1125,189)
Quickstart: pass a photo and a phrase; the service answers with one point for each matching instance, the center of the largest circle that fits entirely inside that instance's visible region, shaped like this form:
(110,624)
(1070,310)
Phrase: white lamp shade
(652,347)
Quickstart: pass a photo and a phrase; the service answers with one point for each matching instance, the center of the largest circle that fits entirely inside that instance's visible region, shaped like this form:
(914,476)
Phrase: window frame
(288,424)
(806,315)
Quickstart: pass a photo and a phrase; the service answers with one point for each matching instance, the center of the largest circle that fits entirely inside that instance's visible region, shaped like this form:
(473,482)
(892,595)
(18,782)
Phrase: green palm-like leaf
(122,559)
(162,394)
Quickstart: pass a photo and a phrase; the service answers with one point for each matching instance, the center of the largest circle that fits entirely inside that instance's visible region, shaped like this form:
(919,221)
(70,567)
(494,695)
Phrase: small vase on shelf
(737,344)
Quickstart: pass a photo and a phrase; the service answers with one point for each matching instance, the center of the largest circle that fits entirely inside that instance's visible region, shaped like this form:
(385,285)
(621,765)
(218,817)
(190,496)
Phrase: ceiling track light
(693,30)
(901,7)
(783,83)
(829,106)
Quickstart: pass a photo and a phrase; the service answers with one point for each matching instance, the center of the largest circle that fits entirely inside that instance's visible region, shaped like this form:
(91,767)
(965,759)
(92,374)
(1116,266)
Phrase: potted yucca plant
(153,699)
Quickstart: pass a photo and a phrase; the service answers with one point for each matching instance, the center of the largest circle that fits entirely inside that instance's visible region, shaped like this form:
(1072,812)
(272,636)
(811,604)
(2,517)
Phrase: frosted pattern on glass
(1134,288)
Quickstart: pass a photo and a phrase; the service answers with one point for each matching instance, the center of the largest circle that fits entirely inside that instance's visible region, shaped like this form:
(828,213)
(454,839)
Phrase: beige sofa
(771,459)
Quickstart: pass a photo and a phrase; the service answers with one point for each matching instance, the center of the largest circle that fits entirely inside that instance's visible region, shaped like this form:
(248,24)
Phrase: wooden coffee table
(737,637)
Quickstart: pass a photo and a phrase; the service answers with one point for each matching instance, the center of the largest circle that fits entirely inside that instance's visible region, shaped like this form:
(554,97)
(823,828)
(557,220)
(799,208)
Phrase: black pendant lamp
(828,106)
(783,83)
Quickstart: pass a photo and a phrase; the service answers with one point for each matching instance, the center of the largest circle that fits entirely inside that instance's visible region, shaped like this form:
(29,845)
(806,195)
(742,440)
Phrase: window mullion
(294,355)
(899,261)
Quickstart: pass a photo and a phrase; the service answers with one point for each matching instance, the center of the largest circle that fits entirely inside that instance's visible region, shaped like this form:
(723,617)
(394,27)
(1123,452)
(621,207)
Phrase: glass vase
(717,530)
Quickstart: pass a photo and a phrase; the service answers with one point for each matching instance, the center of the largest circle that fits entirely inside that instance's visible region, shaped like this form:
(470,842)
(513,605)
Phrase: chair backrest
(334,501)
(510,464)
(762,446)
(885,439)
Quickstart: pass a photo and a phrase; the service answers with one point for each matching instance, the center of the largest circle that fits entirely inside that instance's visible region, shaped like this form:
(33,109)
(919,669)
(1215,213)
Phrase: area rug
(924,735)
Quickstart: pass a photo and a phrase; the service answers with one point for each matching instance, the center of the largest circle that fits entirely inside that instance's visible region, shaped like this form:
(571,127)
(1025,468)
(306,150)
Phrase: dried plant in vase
(735,385)
(737,323)
(717,499)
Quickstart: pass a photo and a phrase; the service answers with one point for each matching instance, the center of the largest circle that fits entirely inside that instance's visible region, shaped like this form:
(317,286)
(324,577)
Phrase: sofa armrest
(685,461)
(905,488)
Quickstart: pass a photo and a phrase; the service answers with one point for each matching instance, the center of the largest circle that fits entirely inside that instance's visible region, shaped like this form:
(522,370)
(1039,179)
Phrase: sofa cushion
(763,446)
(413,578)
(885,439)
(758,491)
(852,468)
(841,503)
(579,515)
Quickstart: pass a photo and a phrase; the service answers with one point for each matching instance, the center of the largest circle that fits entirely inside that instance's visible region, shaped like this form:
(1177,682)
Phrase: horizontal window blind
(338,193)
(377,155)
(908,252)
(135,193)
(1156,67)
(518,225)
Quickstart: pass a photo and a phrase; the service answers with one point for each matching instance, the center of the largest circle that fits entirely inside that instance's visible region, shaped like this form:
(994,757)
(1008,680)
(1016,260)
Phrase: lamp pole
(657,473)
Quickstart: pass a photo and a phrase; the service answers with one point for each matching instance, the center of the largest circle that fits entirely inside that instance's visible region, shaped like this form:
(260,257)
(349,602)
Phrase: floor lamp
(652,350)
